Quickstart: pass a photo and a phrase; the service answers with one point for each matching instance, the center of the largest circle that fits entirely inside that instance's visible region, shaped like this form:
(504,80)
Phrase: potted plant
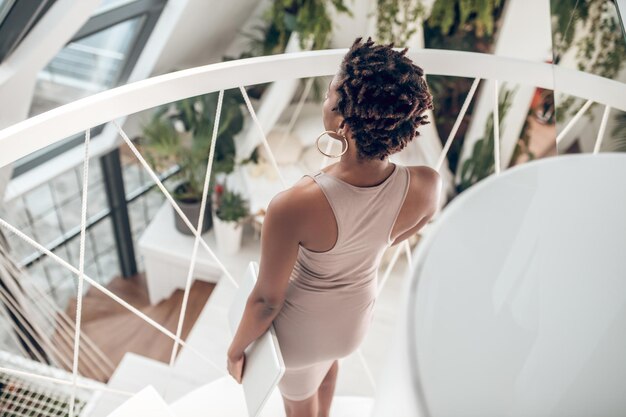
(180,134)
(231,210)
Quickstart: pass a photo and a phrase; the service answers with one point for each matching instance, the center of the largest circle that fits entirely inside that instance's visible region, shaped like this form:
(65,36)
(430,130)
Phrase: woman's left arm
(279,249)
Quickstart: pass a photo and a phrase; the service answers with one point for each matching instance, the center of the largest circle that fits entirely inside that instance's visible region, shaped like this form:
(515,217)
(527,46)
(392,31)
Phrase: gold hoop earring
(324,153)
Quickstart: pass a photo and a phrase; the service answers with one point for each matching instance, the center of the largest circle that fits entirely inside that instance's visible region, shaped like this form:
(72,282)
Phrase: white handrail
(47,128)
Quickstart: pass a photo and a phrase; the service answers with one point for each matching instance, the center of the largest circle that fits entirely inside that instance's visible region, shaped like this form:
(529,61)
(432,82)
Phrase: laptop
(264,366)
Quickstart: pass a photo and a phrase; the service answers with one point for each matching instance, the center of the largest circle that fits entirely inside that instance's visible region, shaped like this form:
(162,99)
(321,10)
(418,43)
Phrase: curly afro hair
(381,96)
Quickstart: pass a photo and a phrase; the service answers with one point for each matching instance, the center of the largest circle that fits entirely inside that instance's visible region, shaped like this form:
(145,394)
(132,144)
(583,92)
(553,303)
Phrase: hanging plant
(602,51)
(478,16)
(309,18)
(398,20)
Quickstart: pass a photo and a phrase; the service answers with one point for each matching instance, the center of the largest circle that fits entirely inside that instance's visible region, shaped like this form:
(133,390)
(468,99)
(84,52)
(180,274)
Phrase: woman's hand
(235,366)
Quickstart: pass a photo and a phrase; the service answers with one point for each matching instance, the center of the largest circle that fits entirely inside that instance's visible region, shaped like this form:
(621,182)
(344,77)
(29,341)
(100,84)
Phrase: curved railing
(47,128)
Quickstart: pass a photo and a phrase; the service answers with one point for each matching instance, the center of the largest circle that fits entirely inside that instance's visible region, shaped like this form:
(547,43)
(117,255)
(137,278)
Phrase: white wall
(346,28)
(205,30)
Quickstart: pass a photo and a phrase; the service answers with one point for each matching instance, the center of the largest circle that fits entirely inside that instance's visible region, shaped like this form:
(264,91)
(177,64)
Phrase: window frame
(19,20)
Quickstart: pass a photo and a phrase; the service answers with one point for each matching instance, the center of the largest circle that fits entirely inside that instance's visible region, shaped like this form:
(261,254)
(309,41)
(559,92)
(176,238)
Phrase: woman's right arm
(412,230)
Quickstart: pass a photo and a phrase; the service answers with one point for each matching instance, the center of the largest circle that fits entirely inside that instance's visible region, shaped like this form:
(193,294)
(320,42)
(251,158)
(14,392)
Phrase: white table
(167,255)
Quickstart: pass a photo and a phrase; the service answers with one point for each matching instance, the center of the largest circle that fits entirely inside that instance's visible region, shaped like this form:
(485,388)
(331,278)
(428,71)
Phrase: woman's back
(364,219)
(331,294)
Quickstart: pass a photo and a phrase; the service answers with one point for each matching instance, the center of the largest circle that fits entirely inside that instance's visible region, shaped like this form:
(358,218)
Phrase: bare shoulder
(292,213)
(425,175)
(294,201)
(426,185)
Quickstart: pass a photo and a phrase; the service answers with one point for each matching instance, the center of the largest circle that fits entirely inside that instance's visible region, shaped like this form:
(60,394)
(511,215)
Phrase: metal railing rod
(74,232)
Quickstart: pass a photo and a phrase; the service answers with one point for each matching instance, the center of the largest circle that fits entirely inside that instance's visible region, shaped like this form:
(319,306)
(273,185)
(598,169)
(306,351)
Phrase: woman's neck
(351,163)
(360,172)
(371,167)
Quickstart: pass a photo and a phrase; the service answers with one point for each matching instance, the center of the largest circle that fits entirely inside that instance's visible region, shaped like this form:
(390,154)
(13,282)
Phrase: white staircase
(147,402)
(134,374)
(193,388)
(210,335)
(224,398)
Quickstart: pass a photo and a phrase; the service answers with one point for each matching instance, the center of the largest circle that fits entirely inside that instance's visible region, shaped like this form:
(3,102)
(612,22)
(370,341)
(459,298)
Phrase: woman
(323,238)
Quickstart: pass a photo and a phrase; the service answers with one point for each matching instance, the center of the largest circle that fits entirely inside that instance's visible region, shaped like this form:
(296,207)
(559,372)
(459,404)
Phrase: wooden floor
(116,331)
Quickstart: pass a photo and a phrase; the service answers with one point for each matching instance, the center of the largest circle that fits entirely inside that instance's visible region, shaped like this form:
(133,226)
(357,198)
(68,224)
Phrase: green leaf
(231,206)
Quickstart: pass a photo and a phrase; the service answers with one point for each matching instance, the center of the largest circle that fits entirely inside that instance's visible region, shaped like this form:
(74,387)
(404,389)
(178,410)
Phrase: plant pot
(192,211)
(228,235)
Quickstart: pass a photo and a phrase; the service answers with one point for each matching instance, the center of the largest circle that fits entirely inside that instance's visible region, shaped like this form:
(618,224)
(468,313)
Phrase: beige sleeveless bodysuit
(331,295)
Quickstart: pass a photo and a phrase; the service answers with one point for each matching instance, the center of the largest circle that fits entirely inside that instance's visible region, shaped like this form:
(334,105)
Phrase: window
(100,56)
(86,66)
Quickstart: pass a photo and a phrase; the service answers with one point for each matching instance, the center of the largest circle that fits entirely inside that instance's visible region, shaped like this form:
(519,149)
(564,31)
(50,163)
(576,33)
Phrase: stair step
(210,335)
(147,402)
(97,305)
(224,397)
(134,374)
(115,330)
